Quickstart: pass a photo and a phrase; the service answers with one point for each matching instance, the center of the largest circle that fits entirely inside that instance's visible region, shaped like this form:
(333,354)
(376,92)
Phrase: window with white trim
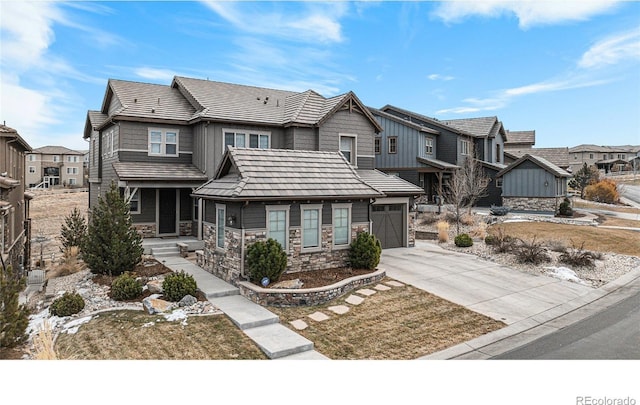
(72,181)
(464,147)
(348,148)
(72,159)
(341,224)
(428,146)
(134,202)
(163,142)
(56,158)
(376,145)
(72,170)
(278,224)
(311,225)
(247,139)
(32,158)
(393,144)
(220,225)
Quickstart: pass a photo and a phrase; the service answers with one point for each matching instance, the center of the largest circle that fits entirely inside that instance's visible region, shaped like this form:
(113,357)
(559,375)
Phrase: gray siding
(345,122)
(407,141)
(147,206)
(134,143)
(305,139)
(528,180)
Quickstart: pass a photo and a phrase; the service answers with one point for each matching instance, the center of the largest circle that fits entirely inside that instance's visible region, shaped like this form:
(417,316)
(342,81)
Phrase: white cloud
(612,50)
(163,75)
(436,76)
(528,12)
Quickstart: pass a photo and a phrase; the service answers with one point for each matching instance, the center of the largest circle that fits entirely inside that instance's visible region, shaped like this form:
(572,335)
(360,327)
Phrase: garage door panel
(388,224)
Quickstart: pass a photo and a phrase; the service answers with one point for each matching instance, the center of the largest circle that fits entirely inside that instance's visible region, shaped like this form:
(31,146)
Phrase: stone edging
(291,297)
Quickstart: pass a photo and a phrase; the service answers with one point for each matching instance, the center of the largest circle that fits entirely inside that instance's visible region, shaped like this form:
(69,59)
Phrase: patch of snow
(176,315)
(148,324)
(73,326)
(564,273)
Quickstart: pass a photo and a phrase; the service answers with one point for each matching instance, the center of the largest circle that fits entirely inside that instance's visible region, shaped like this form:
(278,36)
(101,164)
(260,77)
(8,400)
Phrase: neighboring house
(426,151)
(51,166)
(557,156)
(14,201)
(213,160)
(532,183)
(520,140)
(604,157)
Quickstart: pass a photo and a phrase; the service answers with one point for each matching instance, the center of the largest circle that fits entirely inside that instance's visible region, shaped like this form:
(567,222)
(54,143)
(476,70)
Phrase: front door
(167,211)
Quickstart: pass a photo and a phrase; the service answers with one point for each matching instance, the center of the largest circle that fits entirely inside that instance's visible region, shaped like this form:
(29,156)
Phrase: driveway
(482,286)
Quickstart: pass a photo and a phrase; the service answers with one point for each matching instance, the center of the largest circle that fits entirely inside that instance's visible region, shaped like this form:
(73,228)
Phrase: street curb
(542,324)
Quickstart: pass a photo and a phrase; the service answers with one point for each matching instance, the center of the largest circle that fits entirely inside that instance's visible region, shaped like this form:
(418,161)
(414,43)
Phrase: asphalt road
(631,192)
(611,334)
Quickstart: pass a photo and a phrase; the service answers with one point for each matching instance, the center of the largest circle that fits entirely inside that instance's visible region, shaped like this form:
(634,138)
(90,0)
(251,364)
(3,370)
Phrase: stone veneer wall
(307,296)
(227,264)
(186,228)
(412,229)
(146,230)
(549,204)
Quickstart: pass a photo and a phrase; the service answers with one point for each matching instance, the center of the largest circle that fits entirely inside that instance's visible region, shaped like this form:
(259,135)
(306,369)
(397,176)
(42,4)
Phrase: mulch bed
(321,278)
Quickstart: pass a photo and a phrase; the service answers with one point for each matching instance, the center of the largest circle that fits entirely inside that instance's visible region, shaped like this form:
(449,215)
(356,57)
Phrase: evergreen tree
(112,245)
(584,177)
(73,230)
(14,318)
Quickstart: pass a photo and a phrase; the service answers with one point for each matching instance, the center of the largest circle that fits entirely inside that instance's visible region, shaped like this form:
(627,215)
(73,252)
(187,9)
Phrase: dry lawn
(400,324)
(595,239)
(577,203)
(613,221)
(136,335)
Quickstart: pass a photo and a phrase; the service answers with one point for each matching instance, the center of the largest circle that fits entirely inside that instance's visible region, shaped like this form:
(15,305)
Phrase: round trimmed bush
(266,259)
(67,305)
(177,285)
(125,287)
(491,240)
(463,240)
(365,251)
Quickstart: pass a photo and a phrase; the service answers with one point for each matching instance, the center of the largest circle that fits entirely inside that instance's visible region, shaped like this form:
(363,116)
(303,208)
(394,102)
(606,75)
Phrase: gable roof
(94,120)
(481,127)
(388,184)
(395,118)
(145,171)
(541,162)
(55,150)
(557,156)
(520,137)
(276,174)
(8,132)
(409,115)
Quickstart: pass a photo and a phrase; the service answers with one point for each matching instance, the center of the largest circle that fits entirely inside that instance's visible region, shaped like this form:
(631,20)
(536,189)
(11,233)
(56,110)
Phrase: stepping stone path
(354,300)
(394,283)
(318,316)
(382,287)
(299,324)
(339,309)
(366,292)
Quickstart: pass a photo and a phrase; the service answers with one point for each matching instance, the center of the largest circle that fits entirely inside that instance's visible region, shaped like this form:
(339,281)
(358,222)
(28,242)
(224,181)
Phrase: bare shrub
(467,219)
(443,231)
(429,218)
(501,242)
(479,231)
(69,264)
(558,246)
(532,251)
(578,256)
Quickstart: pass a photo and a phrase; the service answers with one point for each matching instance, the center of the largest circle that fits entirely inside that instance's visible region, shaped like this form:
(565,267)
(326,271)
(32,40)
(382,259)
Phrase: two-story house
(51,166)
(14,201)
(232,164)
(605,158)
(426,151)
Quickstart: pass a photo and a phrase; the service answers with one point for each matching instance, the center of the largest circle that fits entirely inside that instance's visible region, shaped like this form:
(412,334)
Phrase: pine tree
(73,230)
(14,318)
(112,245)
(584,177)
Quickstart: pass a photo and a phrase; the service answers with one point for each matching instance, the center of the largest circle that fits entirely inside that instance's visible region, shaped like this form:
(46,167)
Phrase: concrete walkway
(259,324)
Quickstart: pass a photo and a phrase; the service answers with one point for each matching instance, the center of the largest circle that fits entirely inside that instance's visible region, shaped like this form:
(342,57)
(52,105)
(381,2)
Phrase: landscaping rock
(187,301)
(154,305)
(288,284)
(155,286)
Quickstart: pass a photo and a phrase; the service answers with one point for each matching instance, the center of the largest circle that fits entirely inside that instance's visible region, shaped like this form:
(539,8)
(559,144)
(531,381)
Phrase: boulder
(187,301)
(155,286)
(154,305)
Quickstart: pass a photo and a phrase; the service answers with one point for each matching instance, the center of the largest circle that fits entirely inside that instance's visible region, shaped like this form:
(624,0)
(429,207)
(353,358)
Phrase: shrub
(73,231)
(177,285)
(443,231)
(365,251)
(266,259)
(532,252)
(577,256)
(463,240)
(565,209)
(125,287)
(14,317)
(479,231)
(69,264)
(501,242)
(490,240)
(557,246)
(604,191)
(68,304)
(467,219)
(429,218)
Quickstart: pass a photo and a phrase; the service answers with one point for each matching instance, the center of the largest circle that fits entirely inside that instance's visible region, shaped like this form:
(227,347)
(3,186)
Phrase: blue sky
(568,70)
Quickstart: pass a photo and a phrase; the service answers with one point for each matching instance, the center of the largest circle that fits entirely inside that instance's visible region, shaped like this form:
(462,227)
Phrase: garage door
(389,224)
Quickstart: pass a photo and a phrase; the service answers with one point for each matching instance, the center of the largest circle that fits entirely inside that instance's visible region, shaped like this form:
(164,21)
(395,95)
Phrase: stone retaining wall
(307,296)
(545,204)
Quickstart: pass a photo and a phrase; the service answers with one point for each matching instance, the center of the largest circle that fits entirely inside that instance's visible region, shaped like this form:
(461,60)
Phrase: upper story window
(590,156)
(393,144)
(428,146)
(163,142)
(376,145)
(72,159)
(32,169)
(604,156)
(464,147)
(498,153)
(247,139)
(72,170)
(31,158)
(348,147)
(56,158)
(107,149)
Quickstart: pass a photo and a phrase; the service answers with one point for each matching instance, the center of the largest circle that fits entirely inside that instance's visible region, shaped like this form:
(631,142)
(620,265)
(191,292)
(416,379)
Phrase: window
(134,202)
(499,182)
(72,159)
(32,158)
(220,218)
(604,156)
(311,226)
(428,146)
(196,209)
(163,142)
(32,169)
(376,145)
(56,158)
(278,224)
(72,170)
(590,155)
(498,153)
(464,147)
(240,139)
(341,224)
(393,144)
(72,181)
(348,148)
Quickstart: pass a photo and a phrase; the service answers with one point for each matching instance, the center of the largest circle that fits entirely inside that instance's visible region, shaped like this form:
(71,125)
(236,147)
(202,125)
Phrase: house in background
(228,164)
(557,156)
(520,140)
(14,201)
(51,166)
(532,183)
(606,158)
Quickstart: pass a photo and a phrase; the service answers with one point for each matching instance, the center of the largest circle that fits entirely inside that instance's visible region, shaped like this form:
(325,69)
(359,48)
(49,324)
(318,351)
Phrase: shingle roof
(388,184)
(438,164)
(543,163)
(142,171)
(9,132)
(410,114)
(520,137)
(605,149)
(146,100)
(274,174)
(55,150)
(397,119)
(479,127)
(557,156)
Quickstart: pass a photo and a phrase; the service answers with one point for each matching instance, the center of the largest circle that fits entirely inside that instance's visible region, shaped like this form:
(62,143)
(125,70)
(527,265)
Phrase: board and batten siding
(345,122)
(134,144)
(528,180)
(407,140)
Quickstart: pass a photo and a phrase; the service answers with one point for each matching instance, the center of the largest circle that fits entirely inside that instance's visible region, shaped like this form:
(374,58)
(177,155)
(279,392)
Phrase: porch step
(168,251)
